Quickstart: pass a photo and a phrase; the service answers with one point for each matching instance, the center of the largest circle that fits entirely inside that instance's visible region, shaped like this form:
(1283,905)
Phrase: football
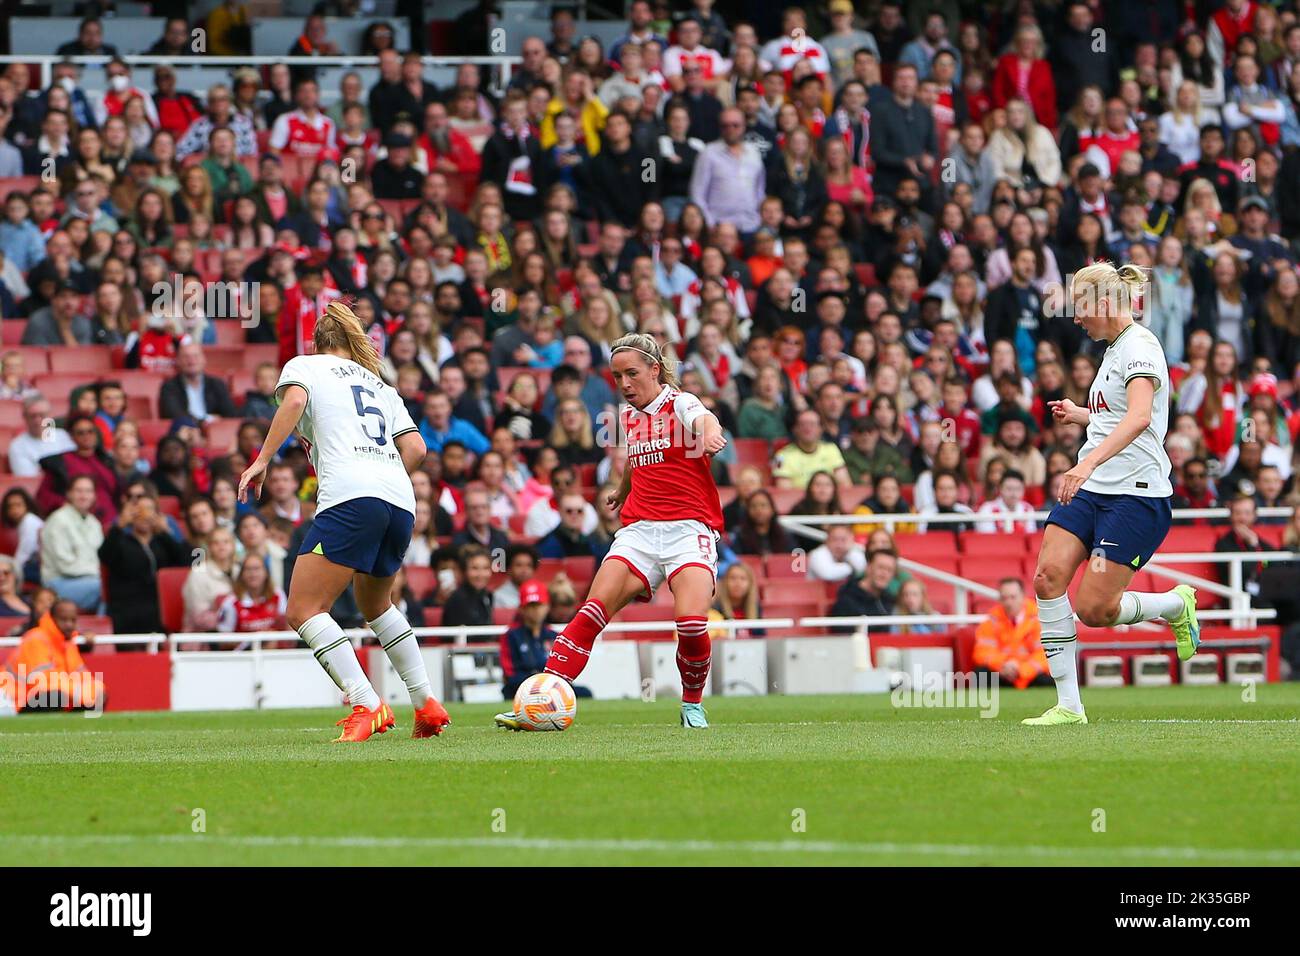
(546,702)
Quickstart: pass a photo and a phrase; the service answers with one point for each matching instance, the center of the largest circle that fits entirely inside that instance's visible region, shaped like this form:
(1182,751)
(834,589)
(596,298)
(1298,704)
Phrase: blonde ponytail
(652,353)
(1121,287)
(339,329)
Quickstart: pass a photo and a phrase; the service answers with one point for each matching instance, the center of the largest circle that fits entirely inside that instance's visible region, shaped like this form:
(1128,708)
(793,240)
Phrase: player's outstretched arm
(1141,398)
(292,404)
(1066,411)
(709,430)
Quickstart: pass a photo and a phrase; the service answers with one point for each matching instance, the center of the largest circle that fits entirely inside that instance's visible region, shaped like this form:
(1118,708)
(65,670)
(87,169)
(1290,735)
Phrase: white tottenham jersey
(351,424)
(1141,469)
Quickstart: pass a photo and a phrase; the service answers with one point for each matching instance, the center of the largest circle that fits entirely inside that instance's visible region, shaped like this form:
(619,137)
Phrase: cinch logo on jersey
(75,909)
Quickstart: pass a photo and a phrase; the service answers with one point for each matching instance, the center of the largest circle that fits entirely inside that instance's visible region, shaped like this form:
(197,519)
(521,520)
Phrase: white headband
(654,358)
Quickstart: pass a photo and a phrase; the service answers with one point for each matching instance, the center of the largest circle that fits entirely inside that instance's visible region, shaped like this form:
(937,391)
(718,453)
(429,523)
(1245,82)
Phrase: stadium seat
(752,451)
(11,331)
(21,184)
(8,540)
(82,361)
(935,543)
(171,606)
(229,334)
(36,360)
(11,414)
(92,624)
(421,580)
(27,484)
(992,545)
(1191,538)
(170,505)
(504,615)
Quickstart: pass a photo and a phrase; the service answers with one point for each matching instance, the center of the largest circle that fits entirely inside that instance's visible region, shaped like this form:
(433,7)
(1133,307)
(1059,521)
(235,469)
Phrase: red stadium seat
(153,430)
(504,615)
(170,505)
(1191,539)
(93,624)
(11,414)
(753,451)
(171,605)
(82,360)
(8,540)
(866,273)
(20,184)
(421,580)
(229,334)
(11,331)
(141,406)
(36,360)
(993,545)
(28,484)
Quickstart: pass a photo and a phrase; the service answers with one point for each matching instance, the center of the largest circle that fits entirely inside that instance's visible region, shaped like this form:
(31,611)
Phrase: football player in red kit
(671,518)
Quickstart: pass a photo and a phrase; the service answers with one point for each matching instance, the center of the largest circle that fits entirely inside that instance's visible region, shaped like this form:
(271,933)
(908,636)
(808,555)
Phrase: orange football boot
(430,720)
(361,724)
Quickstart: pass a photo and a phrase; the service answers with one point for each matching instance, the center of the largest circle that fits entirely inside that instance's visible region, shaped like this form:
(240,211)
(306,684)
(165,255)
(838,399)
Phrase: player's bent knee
(1049,582)
(1097,613)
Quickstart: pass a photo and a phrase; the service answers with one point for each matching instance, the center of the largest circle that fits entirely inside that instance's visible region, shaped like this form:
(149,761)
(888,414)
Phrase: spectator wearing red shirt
(1025,74)
(89,459)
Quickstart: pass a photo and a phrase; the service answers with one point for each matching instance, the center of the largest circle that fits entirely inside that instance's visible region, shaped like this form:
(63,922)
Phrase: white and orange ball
(546,702)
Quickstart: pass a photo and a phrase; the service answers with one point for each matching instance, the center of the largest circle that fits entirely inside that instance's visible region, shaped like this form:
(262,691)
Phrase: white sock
(403,650)
(1060,644)
(335,653)
(1137,606)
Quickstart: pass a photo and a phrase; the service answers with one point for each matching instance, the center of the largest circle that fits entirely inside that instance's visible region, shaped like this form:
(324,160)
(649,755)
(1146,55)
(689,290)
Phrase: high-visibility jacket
(1000,640)
(45,661)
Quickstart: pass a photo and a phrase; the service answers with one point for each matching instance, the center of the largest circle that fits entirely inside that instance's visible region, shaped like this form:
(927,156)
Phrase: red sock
(572,649)
(693,656)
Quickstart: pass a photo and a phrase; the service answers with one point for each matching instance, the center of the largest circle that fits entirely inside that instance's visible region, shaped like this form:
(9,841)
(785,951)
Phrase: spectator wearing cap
(60,322)
(192,392)
(394,177)
(220,114)
(1267,255)
(526,645)
(844,40)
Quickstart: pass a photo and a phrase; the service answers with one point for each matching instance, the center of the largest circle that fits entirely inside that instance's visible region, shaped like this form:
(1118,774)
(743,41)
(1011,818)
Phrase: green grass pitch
(1162,776)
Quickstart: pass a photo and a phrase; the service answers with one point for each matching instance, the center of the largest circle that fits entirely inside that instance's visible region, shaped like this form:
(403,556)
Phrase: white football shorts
(657,550)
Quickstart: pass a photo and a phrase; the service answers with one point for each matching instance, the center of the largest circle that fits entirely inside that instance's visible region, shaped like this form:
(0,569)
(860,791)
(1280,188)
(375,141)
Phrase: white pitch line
(1098,853)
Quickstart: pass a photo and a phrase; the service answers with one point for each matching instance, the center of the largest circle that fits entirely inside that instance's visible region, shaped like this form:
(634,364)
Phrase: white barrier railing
(460,636)
(47,61)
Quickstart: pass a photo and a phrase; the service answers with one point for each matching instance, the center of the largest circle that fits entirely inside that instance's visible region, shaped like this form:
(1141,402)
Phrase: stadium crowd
(855,233)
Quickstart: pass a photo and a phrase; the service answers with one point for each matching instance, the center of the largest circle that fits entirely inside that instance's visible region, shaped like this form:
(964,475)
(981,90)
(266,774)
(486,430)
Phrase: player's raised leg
(1060,556)
(317,583)
(374,599)
(614,586)
(692,588)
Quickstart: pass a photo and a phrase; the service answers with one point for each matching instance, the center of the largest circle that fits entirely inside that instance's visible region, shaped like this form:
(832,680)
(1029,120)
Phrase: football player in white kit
(363,446)
(1115,503)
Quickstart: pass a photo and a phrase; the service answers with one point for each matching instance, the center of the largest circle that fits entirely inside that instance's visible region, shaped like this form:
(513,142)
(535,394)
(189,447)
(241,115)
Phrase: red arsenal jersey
(302,135)
(671,480)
